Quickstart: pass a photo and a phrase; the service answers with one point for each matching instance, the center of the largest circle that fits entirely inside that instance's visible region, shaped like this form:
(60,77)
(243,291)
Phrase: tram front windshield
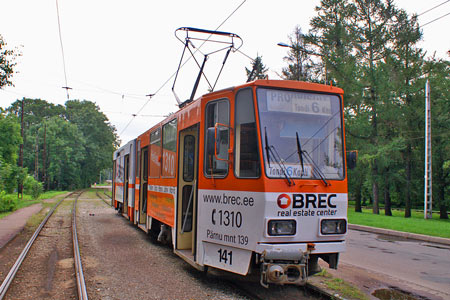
(301,134)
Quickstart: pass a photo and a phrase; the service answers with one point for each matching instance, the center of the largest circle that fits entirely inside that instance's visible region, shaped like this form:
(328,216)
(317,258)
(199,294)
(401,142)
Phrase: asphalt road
(420,265)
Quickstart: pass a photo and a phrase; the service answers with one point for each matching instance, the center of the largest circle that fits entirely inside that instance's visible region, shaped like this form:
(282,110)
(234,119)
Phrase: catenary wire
(164,84)
(434,20)
(428,10)
(62,50)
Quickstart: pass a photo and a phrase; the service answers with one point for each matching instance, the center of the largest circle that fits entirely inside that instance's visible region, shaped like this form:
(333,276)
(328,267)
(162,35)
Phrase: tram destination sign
(298,102)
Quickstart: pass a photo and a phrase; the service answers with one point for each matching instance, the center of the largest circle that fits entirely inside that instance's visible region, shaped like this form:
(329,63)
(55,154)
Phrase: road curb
(406,235)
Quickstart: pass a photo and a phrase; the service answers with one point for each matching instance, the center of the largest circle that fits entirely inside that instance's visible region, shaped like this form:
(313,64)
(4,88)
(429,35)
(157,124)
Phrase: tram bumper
(283,267)
(288,263)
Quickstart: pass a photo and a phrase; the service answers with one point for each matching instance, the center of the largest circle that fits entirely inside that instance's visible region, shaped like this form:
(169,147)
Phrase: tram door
(187,187)
(126,180)
(143,186)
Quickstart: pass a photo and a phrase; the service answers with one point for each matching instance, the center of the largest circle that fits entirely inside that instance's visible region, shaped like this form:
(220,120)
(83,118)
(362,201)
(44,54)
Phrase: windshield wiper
(300,153)
(267,146)
(316,168)
(270,150)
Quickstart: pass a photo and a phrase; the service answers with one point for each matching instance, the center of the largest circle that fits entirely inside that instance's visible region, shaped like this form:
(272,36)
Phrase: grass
(341,287)
(415,224)
(92,193)
(28,200)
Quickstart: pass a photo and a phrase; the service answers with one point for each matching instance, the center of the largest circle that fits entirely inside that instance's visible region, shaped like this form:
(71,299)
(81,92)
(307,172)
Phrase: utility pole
(428,198)
(44,158)
(36,157)
(20,187)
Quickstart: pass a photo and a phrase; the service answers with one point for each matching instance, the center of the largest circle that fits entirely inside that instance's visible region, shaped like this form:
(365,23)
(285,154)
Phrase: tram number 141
(225,256)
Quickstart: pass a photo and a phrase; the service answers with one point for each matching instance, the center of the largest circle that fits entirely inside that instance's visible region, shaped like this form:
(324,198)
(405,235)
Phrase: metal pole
(428,190)
(20,187)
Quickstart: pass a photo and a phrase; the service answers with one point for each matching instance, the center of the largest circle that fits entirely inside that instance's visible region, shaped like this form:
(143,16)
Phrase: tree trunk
(375,189)
(443,212)
(358,197)
(387,200)
(375,208)
(441,190)
(408,182)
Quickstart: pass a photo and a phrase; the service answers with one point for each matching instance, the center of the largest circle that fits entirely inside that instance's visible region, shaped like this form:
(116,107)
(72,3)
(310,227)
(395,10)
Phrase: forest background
(367,47)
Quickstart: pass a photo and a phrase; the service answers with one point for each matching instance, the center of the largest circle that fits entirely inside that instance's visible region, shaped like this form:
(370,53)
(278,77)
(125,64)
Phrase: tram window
(144,169)
(169,145)
(155,153)
(246,154)
(188,158)
(217,112)
(187,208)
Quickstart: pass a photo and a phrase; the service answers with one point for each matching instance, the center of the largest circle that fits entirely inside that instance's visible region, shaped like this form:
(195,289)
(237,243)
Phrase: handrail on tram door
(189,206)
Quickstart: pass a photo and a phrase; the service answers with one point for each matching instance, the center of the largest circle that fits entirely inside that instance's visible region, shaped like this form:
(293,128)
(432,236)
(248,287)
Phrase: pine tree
(438,74)
(405,62)
(258,70)
(298,58)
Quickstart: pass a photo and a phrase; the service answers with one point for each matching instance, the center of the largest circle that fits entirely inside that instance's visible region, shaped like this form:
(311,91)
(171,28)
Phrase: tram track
(43,268)
(100,196)
(250,288)
(255,292)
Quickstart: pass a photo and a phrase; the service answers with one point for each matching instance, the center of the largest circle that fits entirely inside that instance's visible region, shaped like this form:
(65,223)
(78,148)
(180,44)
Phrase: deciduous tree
(7,63)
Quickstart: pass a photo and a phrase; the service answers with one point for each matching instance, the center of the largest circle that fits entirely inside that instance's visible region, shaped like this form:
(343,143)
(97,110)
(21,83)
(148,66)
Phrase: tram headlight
(282,227)
(333,226)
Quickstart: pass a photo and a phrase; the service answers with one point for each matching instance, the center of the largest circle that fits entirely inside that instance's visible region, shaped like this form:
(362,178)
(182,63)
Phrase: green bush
(32,187)
(7,202)
(11,176)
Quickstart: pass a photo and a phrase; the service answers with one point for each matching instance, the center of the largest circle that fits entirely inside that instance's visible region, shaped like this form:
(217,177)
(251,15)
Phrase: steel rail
(81,284)
(310,290)
(12,273)
(101,197)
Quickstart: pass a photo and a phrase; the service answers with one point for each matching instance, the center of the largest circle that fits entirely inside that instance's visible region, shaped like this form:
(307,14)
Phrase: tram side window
(217,112)
(246,154)
(169,144)
(155,153)
(189,158)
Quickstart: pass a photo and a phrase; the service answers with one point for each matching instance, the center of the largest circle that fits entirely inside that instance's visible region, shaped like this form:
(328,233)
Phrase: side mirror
(352,157)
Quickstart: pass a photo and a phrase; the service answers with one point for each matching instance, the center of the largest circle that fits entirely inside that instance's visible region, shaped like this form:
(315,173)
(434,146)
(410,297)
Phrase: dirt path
(13,224)
(120,262)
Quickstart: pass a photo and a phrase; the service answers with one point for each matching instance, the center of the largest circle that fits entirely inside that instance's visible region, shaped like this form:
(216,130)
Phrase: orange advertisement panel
(155,160)
(169,163)
(161,203)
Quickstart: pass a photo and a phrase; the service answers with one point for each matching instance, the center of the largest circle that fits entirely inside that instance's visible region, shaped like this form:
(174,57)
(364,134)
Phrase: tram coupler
(284,267)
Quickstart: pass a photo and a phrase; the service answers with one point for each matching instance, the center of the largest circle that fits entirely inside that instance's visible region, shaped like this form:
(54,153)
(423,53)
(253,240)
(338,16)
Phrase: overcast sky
(116,52)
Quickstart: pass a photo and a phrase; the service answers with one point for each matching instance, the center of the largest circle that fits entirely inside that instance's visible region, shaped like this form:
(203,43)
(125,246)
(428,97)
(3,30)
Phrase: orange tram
(246,179)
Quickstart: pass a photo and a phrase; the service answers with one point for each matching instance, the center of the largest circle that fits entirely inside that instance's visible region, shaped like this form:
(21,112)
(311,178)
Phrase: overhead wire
(104,90)
(167,81)
(433,8)
(62,51)
(428,10)
(434,20)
